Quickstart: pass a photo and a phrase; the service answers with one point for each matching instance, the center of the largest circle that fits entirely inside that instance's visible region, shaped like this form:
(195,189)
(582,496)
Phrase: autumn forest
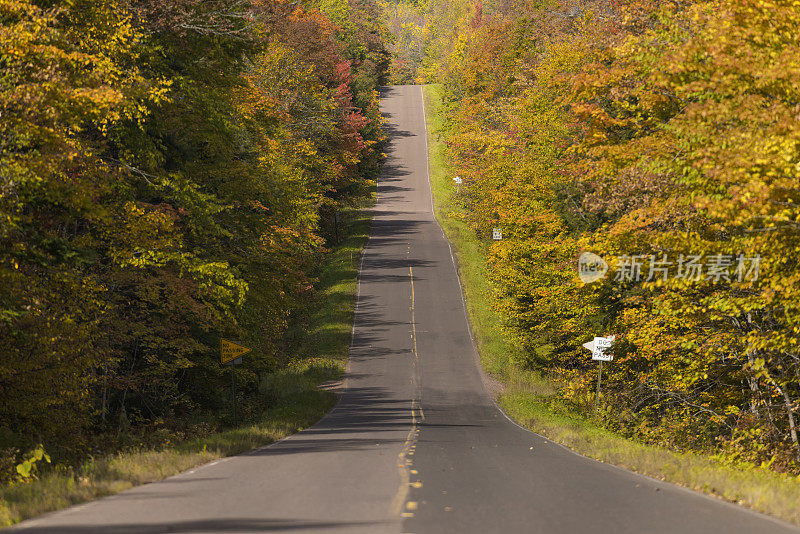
(663,136)
(177,171)
(172,173)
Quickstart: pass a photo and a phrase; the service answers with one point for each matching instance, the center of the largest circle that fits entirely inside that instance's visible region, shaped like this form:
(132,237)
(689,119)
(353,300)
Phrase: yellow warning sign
(229,350)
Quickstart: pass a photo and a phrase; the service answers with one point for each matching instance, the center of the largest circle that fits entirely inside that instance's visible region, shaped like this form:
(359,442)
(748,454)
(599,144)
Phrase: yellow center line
(404,459)
(403,463)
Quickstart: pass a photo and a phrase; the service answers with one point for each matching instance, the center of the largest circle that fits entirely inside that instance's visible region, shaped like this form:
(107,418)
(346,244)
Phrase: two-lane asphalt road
(415,444)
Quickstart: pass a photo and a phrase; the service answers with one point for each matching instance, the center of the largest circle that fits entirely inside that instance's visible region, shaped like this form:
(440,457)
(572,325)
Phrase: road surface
(415,444)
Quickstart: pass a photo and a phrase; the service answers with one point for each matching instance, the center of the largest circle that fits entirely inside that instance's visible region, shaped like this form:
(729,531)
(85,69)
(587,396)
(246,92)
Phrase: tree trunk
(790,414)
(792,428)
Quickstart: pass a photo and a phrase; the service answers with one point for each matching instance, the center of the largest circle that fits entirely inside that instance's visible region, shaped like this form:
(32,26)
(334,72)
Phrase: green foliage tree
(166,171)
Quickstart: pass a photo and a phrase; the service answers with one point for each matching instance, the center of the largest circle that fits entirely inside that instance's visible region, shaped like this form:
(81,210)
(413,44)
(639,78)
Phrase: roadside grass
(755,487)
(296,401)
(528,397)
(330,318)
(99,477)
(494,350)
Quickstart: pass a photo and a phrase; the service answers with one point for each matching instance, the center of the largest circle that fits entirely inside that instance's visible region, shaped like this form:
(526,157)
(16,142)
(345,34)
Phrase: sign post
(233,389)
(458,182)
(600,347)
(599,377)
(497,234)
(231,355)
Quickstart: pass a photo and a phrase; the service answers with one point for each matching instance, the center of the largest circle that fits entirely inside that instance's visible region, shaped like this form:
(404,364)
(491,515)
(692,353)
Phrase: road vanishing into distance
(415,444)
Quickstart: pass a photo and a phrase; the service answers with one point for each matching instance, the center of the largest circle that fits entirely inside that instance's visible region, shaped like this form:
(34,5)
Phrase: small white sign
(457,180)
(601,348)
(497,234)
